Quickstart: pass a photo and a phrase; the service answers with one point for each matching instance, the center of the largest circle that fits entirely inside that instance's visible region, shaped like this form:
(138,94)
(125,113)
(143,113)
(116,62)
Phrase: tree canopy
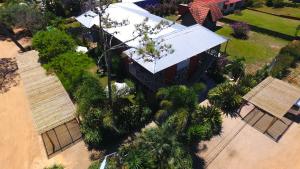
(52,43)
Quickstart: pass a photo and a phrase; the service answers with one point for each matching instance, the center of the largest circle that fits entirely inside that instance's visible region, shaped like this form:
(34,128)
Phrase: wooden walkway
(50,104)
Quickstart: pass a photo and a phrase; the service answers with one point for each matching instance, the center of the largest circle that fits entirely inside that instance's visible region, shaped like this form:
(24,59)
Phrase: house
(277,105)
(206,12)
(199,12)
(195,47)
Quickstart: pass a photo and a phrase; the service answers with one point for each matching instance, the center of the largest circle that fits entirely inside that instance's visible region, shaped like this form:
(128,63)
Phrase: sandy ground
(249,148)
(20,145)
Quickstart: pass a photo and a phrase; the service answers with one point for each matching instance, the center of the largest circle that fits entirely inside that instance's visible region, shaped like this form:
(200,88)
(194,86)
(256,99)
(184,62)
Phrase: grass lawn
(288,11)
(274,23)
(257,50)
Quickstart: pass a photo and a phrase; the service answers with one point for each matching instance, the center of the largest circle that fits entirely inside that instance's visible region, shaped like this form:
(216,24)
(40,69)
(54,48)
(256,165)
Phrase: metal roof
(186,41)
(186,44)
(274,96)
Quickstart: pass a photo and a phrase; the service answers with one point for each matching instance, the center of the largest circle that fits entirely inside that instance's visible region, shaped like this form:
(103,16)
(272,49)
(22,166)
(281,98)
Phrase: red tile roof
(200,10)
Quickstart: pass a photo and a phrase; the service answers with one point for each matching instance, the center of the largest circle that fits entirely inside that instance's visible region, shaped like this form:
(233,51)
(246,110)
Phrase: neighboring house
(207,12)
(204,14)
(231,5)
(195,47)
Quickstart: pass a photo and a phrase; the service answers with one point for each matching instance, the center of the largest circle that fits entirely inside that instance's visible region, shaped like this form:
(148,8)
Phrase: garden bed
(258,50)
(266,21)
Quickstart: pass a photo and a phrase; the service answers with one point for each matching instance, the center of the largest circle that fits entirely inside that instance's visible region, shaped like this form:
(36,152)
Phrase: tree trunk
(12,37)
(108,67)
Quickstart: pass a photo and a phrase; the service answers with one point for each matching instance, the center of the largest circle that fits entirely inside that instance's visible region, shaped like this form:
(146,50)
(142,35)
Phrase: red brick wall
(170,73)
(194,62)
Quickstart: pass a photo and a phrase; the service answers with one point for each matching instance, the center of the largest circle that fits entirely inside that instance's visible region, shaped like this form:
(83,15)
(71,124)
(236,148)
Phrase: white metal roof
(88,19)
(186,41)
(132,1)
(186,44)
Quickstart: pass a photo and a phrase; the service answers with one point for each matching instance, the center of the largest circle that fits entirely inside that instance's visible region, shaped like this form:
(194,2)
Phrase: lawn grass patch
(257,50)
(287,11)
(266,21)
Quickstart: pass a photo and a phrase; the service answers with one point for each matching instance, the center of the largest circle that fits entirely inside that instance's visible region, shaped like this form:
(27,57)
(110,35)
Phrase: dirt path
(20,145)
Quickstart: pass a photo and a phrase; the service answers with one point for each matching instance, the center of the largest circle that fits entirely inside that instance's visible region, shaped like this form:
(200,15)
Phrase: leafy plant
(236,68)
(156,148)
(278,3)
(226,97)
(22,15)
(55,166)
(69,67)
(52,43)
(240,30)
(200,132)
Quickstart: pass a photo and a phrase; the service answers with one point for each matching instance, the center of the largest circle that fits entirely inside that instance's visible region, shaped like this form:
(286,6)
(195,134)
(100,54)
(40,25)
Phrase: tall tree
(149,51)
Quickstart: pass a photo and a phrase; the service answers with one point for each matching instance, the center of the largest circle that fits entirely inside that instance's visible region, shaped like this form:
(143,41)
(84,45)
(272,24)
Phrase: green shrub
(200,132)
(199,87)
(278,3)
(285,59)
(92,127)
(94,165)
(70,67)
(257,3)
(22,15)
(208,114)
(292,49)
(269,3)
(89,94)
(52,43)
(55,166)
(282,63)
(132,117)
(226,96)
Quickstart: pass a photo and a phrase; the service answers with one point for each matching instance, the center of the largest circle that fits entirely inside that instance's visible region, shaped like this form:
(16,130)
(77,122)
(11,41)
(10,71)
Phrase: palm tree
(236,68)
(226,96)
(162,149)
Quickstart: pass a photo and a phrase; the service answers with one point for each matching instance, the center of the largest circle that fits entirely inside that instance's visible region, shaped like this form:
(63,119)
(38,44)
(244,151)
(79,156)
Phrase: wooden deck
(50,104)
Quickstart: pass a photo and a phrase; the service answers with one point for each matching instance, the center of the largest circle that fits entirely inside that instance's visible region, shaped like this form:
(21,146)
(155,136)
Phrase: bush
(226,97)
(208,114)
(94,165)
(92,127)
(282,63)
(55,166)
(70,67)
(285,59)
(52,43)
(199,87)
(292,49)
(132,117)
(269,3)
(240,30)
(23,16)
(89,94)
(200,132)
(257,3)
(278,3)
